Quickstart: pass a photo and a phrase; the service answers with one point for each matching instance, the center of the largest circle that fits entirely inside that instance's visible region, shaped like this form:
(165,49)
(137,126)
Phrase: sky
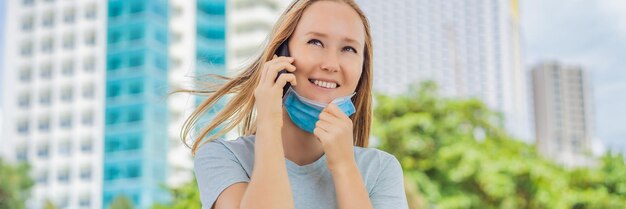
(591,34)
(2,18)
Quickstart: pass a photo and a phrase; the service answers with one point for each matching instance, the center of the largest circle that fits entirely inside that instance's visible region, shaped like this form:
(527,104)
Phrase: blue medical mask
(305,112)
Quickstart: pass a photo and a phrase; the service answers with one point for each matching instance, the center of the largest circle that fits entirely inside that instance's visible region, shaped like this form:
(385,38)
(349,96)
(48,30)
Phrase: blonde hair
(240,108)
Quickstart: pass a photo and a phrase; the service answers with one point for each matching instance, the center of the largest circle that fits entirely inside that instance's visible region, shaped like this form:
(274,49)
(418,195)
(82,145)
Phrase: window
(137,7)
(136,61)
(44,124)
(25,73)
(135,115)
(27,23)
(48,20)
(23,100)
(114,63)
(66,94)
(133,143)
(135,34)
(66,121)
(68,41)
(134,171)
(113,90)
(28,2)
(68,15)
(26,49)
(85,173)
(64,175)
(90,38)
(22,127)
(67,68)
(86,145)
(135,88)
(88,91)
(87,118)
(42,177)
(43,150)
(115,10)
(21,154)
(63,201)
(65,148)
(89,64)
(90,12)
(45,97)
(85,201)
(46,71)
(47,45)
(114,37)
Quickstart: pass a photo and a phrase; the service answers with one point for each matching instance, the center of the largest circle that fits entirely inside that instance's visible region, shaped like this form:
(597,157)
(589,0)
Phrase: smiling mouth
(324,84)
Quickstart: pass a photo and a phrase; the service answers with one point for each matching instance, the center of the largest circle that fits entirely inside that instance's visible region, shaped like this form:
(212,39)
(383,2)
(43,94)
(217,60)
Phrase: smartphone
(283,51)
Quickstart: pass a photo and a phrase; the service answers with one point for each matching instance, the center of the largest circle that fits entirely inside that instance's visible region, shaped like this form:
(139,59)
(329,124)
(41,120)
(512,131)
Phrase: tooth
(334,85)
(326,84)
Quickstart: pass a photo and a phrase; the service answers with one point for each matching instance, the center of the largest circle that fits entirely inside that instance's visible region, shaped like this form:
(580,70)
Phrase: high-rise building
(470,48)
(181,75)
(53,97)
(563,113)
(136,116)
(249,24)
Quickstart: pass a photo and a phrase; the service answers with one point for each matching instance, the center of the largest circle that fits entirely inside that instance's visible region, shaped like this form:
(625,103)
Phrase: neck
(300,147)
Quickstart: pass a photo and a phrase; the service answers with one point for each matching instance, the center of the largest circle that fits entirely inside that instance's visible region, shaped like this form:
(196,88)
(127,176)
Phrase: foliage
(457,155)
(121,202)
(187,196)
(15,185)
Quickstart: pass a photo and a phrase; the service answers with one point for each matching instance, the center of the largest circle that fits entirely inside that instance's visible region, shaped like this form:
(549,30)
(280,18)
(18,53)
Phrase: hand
(268,94)
(334,130)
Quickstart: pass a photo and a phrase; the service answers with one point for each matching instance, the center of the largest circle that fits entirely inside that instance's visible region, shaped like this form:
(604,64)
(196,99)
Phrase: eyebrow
(346,39)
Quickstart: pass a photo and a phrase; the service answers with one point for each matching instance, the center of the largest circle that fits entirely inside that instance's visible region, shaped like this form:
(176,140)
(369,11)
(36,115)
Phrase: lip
(326,80)
(322,88)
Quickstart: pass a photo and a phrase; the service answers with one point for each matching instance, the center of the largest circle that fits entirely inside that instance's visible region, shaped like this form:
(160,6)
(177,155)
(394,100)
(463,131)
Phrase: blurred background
(486,103)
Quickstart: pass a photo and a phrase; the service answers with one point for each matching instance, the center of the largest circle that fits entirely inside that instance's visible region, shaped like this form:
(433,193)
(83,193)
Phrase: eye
(349,48)
(315,42)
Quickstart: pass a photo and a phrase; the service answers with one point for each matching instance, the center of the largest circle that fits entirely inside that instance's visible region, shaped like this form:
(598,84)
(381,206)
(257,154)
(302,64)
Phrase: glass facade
(135,141)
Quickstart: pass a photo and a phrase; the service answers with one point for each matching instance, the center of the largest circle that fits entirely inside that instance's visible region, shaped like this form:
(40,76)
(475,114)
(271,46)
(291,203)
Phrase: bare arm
(269,182)
(269,186)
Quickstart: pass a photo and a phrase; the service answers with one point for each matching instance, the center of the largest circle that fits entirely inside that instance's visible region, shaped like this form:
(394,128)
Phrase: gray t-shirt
(221,163)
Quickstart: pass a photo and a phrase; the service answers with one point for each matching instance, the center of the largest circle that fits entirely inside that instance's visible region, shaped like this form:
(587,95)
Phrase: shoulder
(239,150)
(374,157)
(238,146)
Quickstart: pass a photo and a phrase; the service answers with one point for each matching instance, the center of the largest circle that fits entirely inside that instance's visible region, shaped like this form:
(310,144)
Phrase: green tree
(15,185)
(455,154)
(49,205)
(121,202)
(187,196)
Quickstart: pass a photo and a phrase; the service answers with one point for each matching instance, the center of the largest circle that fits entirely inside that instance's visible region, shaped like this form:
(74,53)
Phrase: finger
(284,78)
(275,68)
(263,73)
(278,66)
(324,125)
(269,65)
(320,133)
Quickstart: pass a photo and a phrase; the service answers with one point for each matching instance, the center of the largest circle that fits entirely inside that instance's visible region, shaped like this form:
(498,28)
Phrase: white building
(53,78)
(563,113)
(471,48)
(182,68)
(249,24)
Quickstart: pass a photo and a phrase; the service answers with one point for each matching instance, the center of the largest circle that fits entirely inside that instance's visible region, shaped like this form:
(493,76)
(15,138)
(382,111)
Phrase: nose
(330,62)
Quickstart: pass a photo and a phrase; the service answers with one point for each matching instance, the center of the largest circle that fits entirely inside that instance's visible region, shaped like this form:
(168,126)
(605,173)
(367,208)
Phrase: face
(328,45)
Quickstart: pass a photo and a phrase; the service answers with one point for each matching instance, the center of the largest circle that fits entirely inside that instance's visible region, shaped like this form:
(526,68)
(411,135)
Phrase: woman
(303,144)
